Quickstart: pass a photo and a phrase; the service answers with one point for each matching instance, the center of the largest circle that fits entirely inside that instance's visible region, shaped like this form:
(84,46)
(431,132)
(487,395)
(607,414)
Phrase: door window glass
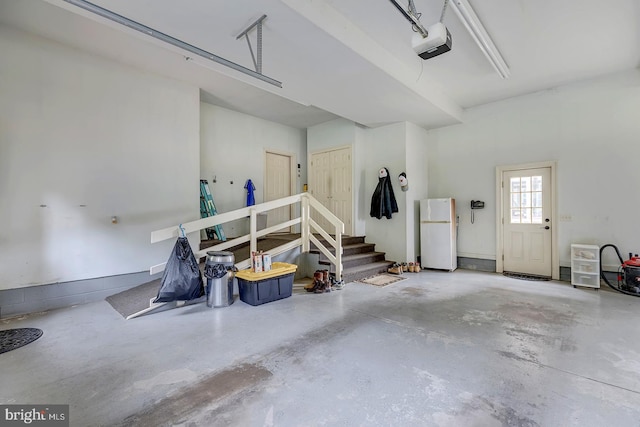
(526,200)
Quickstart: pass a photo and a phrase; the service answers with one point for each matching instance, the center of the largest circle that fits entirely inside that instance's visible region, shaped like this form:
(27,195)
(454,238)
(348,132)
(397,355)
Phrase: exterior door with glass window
(527,221)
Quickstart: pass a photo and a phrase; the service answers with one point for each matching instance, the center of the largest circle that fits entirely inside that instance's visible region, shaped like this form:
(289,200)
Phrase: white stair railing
(307,229)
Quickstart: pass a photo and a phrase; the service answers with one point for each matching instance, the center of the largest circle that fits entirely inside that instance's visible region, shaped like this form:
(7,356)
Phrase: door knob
(547,227)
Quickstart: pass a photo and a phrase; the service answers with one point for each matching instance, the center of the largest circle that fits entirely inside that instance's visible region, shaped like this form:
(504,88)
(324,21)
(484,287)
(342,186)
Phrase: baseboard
(489,265)
(478,264)
(32,299)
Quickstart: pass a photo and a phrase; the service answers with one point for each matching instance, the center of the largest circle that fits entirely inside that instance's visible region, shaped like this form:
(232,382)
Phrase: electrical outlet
(565,218)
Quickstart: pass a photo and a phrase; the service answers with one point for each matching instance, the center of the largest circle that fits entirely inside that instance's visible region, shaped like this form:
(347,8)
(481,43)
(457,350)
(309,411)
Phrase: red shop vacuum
(628,273)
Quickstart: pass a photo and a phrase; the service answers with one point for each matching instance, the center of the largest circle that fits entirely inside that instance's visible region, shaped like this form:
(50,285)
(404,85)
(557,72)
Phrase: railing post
(253,230)
(304,223)
(339,230)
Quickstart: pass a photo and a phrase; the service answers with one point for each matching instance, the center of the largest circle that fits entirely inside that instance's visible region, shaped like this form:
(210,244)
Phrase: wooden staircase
(359,259)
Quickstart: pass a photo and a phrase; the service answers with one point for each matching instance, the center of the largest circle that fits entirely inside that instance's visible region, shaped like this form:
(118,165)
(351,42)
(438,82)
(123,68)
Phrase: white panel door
(319,185)
(277,186)
(341,199)
(330,184)
(527,221)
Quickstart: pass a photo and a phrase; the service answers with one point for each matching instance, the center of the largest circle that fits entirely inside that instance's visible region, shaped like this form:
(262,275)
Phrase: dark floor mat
(523,276)
(11,339)
(135,299)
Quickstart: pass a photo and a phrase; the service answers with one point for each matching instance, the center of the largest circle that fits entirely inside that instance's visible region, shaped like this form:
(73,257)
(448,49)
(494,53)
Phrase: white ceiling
(352,58)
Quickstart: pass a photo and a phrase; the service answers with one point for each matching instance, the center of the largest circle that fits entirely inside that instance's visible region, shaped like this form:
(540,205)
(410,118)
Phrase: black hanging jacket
(383,201)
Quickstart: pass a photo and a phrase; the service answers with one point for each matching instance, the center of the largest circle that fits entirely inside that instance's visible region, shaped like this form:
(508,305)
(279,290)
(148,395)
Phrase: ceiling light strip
(105,13)
(475,28)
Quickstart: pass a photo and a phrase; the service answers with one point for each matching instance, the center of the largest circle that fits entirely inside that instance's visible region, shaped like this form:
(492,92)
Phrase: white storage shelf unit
(585,266)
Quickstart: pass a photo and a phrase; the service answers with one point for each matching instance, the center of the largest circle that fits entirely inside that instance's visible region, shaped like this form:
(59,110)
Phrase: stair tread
(368,262)
(346,247)
(344,238)
(358,256)
(358,245)
(365,267)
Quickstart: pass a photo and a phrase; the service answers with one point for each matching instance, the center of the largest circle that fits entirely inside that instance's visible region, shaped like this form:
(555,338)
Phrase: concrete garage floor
(439,349)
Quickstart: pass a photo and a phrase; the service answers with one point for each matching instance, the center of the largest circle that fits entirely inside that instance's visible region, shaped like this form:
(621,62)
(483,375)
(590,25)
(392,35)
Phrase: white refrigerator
(438,234)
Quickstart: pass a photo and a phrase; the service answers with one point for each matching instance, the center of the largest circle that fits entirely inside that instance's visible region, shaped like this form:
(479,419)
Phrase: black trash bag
(215,271)
(181,280)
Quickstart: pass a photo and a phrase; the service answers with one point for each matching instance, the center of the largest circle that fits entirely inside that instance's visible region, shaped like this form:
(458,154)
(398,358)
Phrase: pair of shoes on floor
(413,267)
(321,289)
(318,287)
(396,268)
(321,282)
(337,285)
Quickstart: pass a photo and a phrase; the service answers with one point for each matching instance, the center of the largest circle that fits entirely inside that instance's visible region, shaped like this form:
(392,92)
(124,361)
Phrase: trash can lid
(220,256)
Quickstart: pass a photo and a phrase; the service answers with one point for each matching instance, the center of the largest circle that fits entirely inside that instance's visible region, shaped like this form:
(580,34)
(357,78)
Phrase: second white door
(277,186)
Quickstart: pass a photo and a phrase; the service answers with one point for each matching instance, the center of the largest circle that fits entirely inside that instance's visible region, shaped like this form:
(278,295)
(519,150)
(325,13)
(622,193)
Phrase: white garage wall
(83,139)
(417,174)
(591,129)
(233,150)
(333,134)
(361,198)
(386,147)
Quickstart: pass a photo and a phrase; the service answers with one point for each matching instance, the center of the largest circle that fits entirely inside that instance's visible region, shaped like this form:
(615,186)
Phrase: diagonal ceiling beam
(166,38)
(342,29)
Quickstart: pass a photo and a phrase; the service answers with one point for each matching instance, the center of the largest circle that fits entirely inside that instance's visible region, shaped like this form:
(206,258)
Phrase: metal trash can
(220,273)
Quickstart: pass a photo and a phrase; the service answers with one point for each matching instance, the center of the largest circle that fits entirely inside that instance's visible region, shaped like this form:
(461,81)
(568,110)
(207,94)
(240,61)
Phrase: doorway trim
(293,178)
(555,258)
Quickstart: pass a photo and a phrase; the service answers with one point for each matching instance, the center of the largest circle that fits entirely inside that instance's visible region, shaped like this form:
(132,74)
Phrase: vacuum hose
(603,277)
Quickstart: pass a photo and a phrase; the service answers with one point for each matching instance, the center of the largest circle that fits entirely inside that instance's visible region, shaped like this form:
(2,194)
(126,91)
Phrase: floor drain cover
(16,338)
(523,276)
